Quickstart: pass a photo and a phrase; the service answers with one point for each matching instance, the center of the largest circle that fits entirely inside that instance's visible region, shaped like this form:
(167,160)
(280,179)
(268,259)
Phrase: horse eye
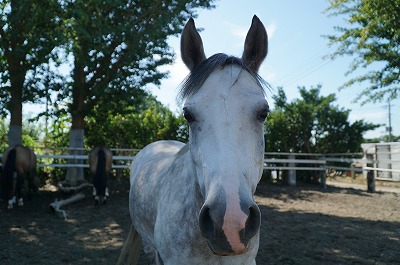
(189,117)
(263,114)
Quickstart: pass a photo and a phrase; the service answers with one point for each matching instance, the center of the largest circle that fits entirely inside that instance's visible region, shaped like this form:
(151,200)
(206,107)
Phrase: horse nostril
(252,224)
(206,223)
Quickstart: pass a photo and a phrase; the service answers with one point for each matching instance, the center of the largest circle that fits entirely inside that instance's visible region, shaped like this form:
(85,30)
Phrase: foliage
(57,130)
(383,139)
(32,133)
(138,126)
(3,132)
(117,47)
(312,124)
(372,36)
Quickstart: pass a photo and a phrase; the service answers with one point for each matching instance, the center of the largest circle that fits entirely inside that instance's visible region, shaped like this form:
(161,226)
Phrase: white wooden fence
(59,157)
(385,160)
(274,162)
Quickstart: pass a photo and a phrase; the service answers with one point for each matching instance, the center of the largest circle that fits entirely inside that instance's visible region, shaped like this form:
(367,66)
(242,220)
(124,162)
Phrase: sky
(296,54)
(296,51)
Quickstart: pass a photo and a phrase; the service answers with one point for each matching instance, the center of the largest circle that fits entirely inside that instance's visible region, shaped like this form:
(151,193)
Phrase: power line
(389,128)
(306,73)
(306,67)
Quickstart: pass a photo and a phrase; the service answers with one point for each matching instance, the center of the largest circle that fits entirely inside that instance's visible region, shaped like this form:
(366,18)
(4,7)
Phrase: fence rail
(274,162)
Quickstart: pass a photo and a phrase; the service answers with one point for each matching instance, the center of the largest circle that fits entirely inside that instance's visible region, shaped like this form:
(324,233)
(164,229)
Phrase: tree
(29,33)
(312,124)
(3,133)
(139,125)
(384,138)
(372,36)
(117,47)
(32,132)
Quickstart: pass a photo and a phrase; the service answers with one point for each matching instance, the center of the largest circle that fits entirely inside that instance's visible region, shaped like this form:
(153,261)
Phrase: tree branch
(56,205)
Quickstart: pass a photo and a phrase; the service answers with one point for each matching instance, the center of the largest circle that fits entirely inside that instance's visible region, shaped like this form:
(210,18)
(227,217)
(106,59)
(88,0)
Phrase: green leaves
(312,124)
(138,126)
(118,47)
(373,38)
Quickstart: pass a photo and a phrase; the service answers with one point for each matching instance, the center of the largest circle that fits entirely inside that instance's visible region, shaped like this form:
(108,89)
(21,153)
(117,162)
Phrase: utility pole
(389,128)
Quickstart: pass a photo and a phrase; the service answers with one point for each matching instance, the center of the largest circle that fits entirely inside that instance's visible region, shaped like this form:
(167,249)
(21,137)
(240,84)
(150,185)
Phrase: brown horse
(19,163)
(100,160)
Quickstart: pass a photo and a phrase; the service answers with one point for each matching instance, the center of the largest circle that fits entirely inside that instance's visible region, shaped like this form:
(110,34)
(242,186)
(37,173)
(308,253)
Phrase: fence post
(371,181)
(352,175)
(370,173)
(323,173)
(292,172)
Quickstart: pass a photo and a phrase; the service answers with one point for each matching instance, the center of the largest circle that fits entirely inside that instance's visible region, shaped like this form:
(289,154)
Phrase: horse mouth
(218,251)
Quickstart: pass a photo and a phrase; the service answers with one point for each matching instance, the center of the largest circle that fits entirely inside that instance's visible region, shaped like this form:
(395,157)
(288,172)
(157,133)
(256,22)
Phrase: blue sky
(296,51)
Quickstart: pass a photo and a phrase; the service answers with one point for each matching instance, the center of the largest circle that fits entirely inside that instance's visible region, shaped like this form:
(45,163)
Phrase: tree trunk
(76,136)
(14,135)
(15,129)
(17,78)
(75,174)
(76,143)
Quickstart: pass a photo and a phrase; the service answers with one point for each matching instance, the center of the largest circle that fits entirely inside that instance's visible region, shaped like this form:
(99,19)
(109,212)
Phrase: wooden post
(292,172)
(371,181)
(369,161)
(323,174)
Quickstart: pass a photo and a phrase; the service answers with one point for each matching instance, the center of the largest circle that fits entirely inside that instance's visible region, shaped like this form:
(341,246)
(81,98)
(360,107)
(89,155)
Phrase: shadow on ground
(301,225)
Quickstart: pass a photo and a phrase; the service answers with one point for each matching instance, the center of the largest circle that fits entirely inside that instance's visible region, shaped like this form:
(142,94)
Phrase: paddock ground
(300,225)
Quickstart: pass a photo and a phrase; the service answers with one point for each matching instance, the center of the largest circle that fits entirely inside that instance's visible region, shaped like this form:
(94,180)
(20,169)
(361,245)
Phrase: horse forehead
(231,83)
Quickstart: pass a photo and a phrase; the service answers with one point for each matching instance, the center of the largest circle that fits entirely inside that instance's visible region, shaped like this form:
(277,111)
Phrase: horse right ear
(192,50)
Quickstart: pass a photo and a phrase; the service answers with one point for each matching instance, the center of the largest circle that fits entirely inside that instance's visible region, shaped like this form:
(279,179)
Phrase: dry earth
(301,225)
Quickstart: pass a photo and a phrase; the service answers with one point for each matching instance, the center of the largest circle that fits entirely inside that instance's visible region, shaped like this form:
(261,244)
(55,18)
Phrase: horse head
(225,106)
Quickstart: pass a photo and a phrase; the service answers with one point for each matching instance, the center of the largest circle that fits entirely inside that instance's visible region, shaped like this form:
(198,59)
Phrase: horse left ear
(256,45)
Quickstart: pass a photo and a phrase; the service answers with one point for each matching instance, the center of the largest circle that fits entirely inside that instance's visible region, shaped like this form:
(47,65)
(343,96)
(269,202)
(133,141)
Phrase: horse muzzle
(229,232)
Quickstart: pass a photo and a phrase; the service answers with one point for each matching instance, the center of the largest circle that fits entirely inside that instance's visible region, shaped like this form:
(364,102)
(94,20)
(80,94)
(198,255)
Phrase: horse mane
(198,76)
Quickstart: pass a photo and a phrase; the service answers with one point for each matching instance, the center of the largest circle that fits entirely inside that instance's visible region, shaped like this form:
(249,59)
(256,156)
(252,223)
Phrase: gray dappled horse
(19,164)
(100,162)
(193,203)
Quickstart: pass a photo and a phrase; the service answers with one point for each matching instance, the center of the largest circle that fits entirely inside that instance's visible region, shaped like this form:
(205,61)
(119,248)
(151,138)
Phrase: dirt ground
(300,225)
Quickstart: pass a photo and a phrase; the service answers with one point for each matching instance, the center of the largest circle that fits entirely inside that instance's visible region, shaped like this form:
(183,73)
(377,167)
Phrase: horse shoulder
(147,182)
(154,155)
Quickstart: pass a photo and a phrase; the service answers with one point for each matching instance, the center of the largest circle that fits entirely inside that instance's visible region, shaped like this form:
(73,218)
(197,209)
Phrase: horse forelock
(198,76)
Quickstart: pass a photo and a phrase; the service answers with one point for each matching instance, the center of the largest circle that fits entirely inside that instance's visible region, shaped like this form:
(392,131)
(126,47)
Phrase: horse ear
(256,45)
(192,50)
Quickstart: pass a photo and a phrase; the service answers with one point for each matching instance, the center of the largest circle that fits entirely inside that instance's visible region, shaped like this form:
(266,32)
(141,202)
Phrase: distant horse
(100,160)
(19,163)
(193,204)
